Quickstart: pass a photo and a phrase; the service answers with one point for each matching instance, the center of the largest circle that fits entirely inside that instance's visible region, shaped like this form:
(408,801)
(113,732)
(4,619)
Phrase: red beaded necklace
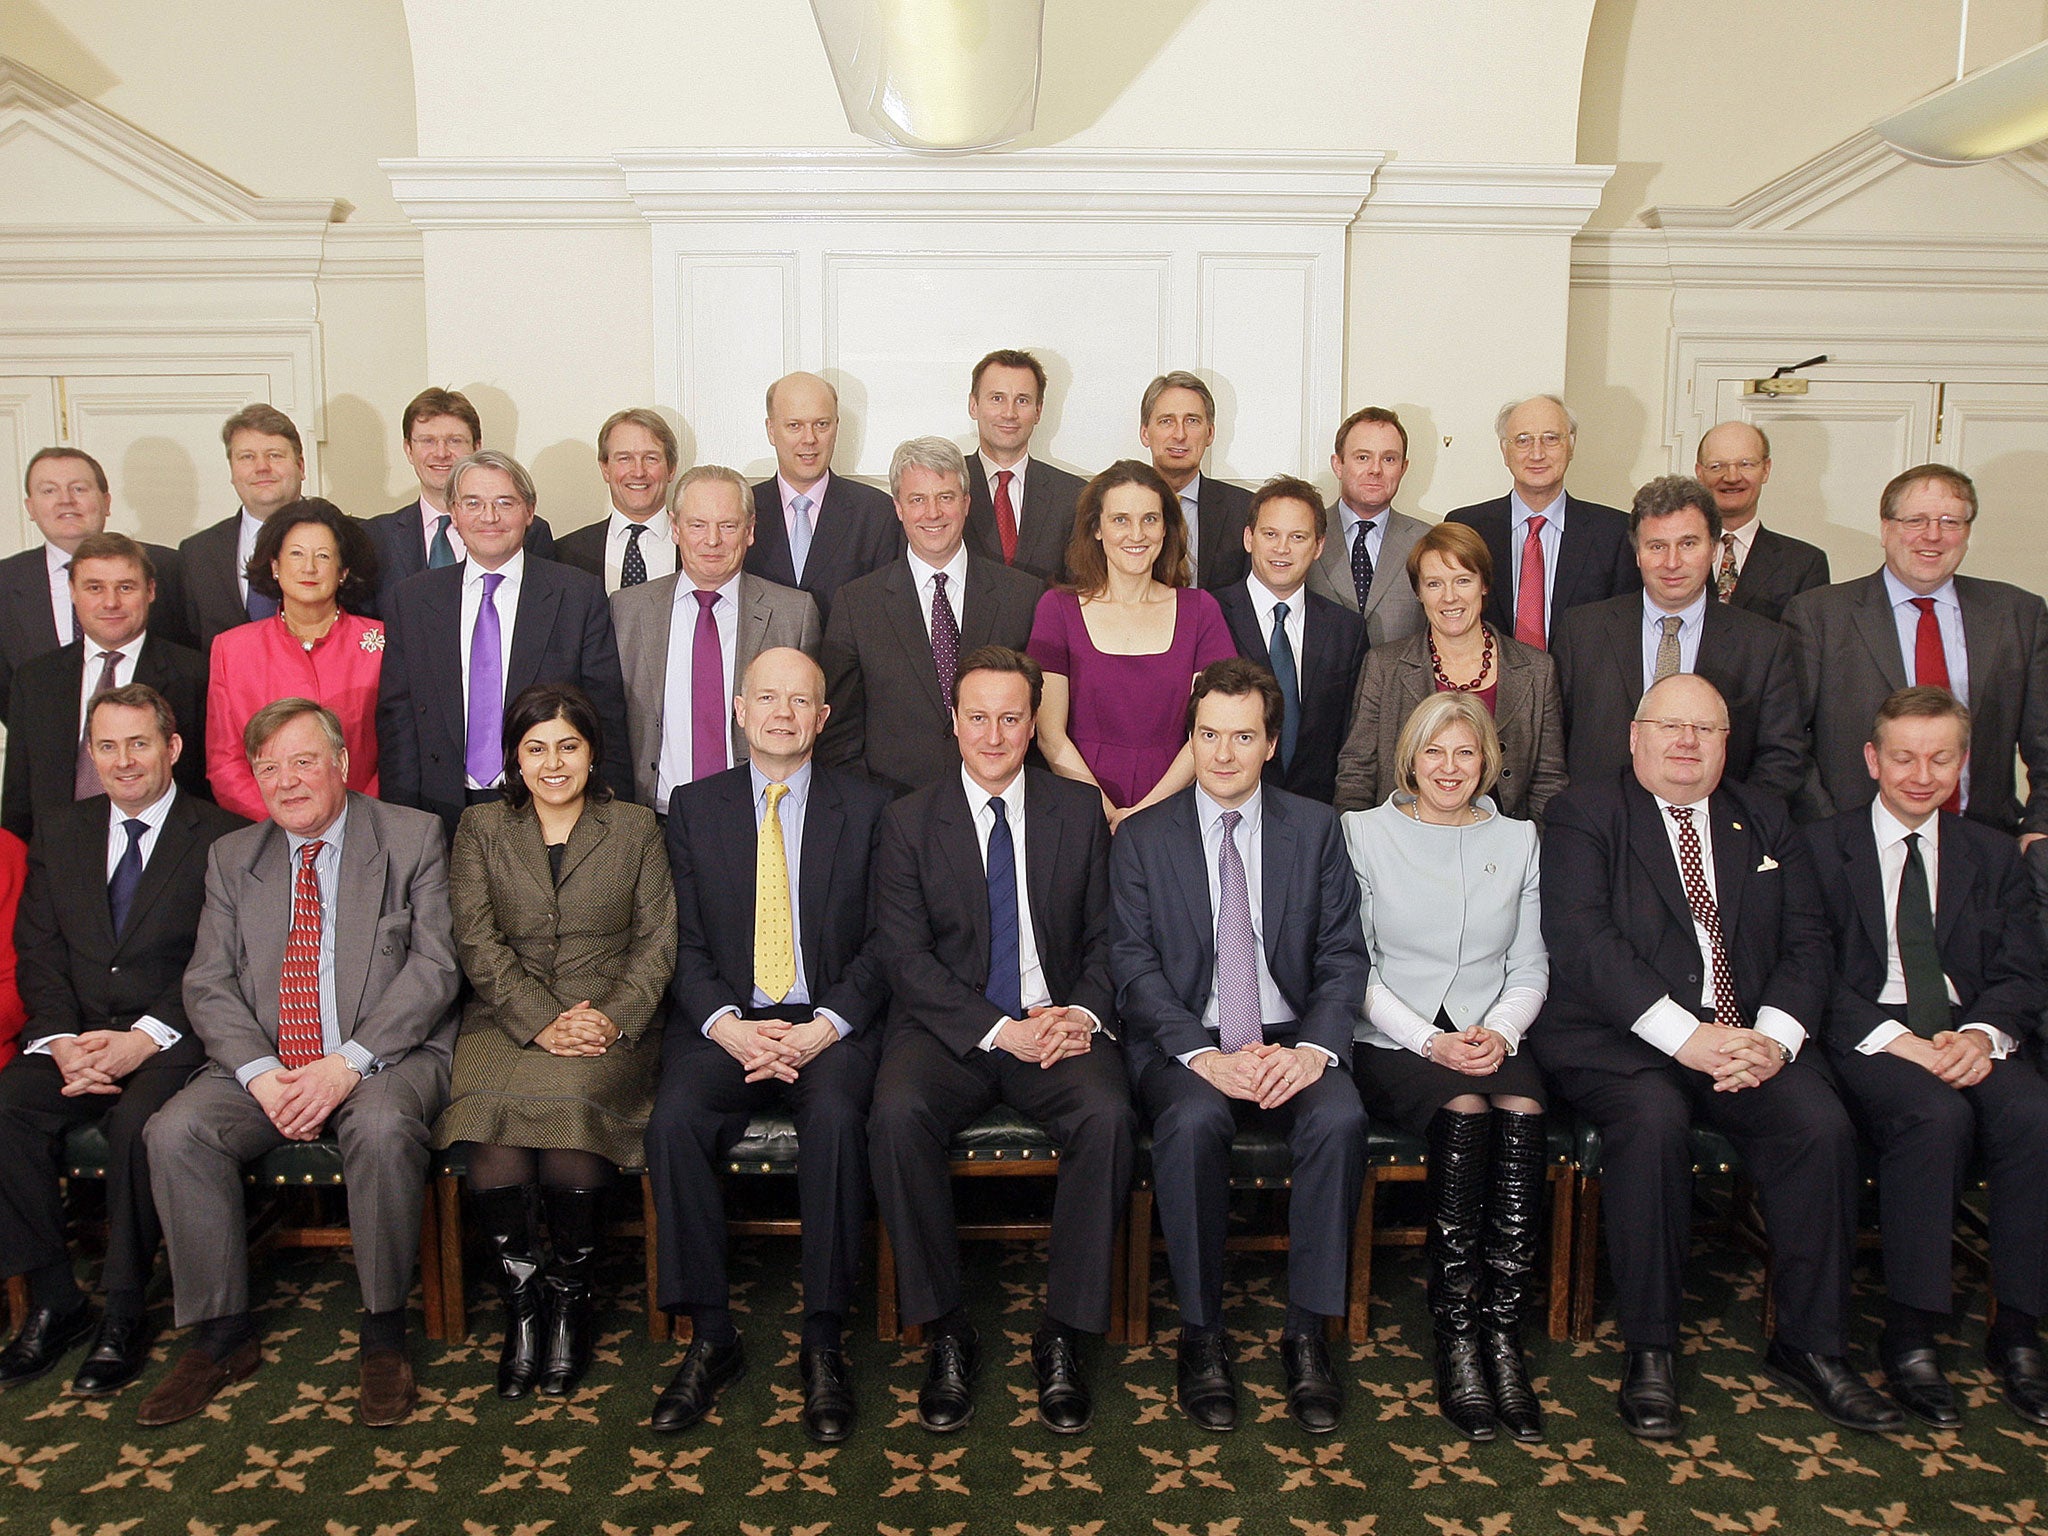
(1436,665)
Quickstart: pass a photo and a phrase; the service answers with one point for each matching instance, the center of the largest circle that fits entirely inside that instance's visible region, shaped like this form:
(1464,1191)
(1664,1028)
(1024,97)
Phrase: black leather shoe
(1064,1406)
(828,1394)
(2025,1376)
(1314,1396)
(119,1352)
(946,1400)
(1648,1399)
(1208,1387)
(1841,1395)
(706,1371)
(1915,1381)
(45,1338)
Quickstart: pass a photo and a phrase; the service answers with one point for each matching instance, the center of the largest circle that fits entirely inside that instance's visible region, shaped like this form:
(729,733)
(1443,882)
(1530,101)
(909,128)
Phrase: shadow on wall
(158,485)
(1605,474)
(565,476)
(358,462)
(57,51)
(1086,65)
(1600,107)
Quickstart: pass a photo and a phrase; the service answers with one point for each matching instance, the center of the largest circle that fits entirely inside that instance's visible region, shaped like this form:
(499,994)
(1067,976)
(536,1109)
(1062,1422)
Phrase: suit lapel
(1243,618)
(1866,884)
(1277,865)
(824,821)
(1335,564)
(1393,561)
(410,545)
(589,833)
(1496,525)
(172,841)
(770,557)
(1735,856)
(267,917)
(524,846)
(1192,884)
(1042,848)
(1952,884)
(358,904)
(954,829)
(1624,646)
(754,615)
(1651,846)
(905,617)
(1880,631)
(442,648)
(28,602)
(1573,560)
(533,624)
(1985,643)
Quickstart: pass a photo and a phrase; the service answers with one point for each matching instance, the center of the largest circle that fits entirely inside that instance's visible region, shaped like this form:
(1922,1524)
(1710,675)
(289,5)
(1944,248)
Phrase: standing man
(1312,645)
(893,647)
(1688,955)
(1021,509)
(101,971)
(1240,1011)
(1755,568)
(1177,422)
(1916,623)
(636,455)
(813,529)
(1938,980)
(992,906)
(267,465)
(1550,551)
(332,1006)
(686,639)
(462,642)
(1610,652)
(778,997)
(1367,570)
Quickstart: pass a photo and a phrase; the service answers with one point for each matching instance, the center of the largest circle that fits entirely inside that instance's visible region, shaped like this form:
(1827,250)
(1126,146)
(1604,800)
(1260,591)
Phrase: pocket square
(1769,863)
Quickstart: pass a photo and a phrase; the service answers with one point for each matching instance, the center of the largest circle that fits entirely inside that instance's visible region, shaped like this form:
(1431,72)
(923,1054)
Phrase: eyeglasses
(1947,527)
(504,506)
(1721,466)
(1525,443)
(1703,729)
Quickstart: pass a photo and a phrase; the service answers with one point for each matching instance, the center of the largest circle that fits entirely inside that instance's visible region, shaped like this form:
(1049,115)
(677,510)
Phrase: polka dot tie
(1727,1010)
(774,928)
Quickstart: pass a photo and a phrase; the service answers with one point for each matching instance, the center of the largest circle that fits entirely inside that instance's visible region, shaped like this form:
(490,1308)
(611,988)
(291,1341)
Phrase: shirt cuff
(157,1030)
(364,1063)
(255,1069)
(1094,1024)
(988,1041)
(835,1021)
(704,1029)
(1880,1037)
(1780,1026)
(1187,1058)
(1324,1049)
(42,1046)
(1665,1025)
(2002,1044)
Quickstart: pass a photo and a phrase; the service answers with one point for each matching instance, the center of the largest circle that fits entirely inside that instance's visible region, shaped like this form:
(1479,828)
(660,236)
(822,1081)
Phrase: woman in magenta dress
(316,563)
(1121,645)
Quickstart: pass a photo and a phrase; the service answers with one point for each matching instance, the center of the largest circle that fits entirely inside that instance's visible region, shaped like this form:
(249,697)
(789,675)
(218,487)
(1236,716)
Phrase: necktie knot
(1670,621)
(1536,524)
(1003,478)
(705,599)
(775,792)
(108,658)
(1924,604)
(308,852)
(135,827)
(1279,613)
(1682,814)
(997,809)
(1230,820)
(939,580)
(801,505)
(491,581)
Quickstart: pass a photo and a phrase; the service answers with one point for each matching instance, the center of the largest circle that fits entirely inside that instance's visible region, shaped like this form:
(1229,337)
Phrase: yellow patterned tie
(774,931)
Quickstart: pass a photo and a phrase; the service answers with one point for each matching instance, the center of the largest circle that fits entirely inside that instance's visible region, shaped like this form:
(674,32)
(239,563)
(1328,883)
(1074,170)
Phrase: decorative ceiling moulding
(503,194)
(1438,198)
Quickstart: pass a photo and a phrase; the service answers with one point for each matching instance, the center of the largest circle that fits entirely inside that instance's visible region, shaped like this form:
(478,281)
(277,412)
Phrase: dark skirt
(1399,1086)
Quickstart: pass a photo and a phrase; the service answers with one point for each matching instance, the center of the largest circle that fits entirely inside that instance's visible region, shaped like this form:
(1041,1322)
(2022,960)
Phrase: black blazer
(584,547)
(1225,510)
(852,533)
(1755,663)
(27,629)
(888,720)
(1163,958)
(43,727)
(1984,926)
(931,899)
(1778,569)
(1045,522)
(402,550)
(1594,559)
(74,971)
(1620,931)
(561,633)
(1332,650)
(712,845)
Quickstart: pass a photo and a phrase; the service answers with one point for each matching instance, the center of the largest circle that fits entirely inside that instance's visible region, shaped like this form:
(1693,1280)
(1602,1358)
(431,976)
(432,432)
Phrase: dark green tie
(1926,990)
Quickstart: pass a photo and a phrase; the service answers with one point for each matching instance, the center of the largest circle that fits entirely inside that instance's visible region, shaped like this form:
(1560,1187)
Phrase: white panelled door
(28,421)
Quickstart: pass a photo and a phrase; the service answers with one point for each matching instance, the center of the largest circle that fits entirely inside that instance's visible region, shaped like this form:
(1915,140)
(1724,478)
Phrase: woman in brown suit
(1451,572)
(565,922)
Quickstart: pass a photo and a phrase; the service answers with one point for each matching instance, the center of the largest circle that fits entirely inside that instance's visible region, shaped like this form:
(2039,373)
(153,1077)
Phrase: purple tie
(945,639)
(86,776)
(708,705)
(1237,949)
(485,755)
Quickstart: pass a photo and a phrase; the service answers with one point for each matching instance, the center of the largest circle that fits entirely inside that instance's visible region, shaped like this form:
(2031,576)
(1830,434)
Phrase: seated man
(992,898)
(101,971)
(1938,978)
(322,987)
(1687,951)
(776,998)
(1239,1010)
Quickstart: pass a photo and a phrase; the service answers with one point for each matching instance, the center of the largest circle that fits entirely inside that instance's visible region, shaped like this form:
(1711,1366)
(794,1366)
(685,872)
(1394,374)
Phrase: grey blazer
(1392,610)
(771,615)
(1527,712)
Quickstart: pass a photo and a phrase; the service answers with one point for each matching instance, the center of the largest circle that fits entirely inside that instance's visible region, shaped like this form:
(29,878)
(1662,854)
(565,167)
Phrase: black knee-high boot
(507,1217)
(574,1223)
(1514,1218)
(1457,1210)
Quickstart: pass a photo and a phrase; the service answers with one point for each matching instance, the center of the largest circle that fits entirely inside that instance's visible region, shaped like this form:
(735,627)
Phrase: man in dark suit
(1609,652)
(1027,519)
(322,985)
(1755,568)
(814,529)
(1177,423)
(1366,567)
(992,902)
(101,971)
(461,643)
(1550,551)
(778,997)
(267,464)
(1915,622)
(1239,1009)
(636,455)
(1938,979)
(1688,954)
(894,643)
(49,760)
(1312,646)
(68,501)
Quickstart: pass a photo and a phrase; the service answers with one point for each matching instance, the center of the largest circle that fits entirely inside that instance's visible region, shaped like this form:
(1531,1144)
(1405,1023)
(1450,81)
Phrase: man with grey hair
(1177,423)
(894,641)
(636,455)
(1550,551)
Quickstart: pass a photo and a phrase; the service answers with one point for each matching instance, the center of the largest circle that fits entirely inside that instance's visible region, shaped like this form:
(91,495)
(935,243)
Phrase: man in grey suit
(1177,423)
(1913,623)
(1755,568)
(1367,569)
(322,985)
(706,622)
(1028,516)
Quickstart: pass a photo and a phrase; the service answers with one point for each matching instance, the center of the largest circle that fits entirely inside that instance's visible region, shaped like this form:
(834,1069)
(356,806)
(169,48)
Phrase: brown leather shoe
(389,1393)
(194,1381)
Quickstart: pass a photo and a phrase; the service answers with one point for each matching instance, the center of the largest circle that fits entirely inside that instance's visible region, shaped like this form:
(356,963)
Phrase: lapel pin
(1736,825)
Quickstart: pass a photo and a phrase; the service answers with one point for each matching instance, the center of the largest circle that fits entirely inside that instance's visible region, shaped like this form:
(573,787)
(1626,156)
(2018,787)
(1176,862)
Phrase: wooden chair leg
(1119,1267)
(1560,1320)
(1138,1270)
(454,1283)
(1586,1255)
(1357,1318)
(17,1301)
(432,1292)
(657,1320)
(886,1316)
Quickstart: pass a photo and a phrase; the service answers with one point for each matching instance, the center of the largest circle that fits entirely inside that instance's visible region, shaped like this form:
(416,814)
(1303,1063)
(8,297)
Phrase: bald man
(1754,568)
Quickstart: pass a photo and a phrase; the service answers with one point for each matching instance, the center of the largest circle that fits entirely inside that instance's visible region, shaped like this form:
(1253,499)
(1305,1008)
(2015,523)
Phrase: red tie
(1006,517)
(1529,589)
(1930,670)
(298,989)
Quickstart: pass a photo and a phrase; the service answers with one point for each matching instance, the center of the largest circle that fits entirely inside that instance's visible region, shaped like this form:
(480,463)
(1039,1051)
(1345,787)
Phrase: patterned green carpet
(282,1454)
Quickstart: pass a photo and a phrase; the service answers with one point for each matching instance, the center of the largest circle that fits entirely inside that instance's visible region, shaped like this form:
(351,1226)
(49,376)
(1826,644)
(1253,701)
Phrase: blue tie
(127,874)
(1290,685)
(1005,972)
(257,606)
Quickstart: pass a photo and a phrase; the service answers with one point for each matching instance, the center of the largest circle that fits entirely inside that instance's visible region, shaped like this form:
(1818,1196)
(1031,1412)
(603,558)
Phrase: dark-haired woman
(319,566)
(565,923)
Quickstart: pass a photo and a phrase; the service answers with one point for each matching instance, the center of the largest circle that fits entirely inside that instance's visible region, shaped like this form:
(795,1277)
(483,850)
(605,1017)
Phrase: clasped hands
(1476,1052)
(579,1031)
(774,1048)
(97,1060)
(1735,1058)
(299,1099)
(1959,1057)
(1268,1075)
(1047,1034)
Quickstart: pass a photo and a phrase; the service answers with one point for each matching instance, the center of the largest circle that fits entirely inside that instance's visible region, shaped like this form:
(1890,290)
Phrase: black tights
(494,1167)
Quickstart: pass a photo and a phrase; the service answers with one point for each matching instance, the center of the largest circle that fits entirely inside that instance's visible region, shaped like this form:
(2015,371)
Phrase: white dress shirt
(245,545)
(955,572)
(990,469)
(1550,537)
(1955,649)
(62,613)
(506,601)
(1264,599)
(1032,989)
(124,672)
(657,546)
(677,761)
(1691,619)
